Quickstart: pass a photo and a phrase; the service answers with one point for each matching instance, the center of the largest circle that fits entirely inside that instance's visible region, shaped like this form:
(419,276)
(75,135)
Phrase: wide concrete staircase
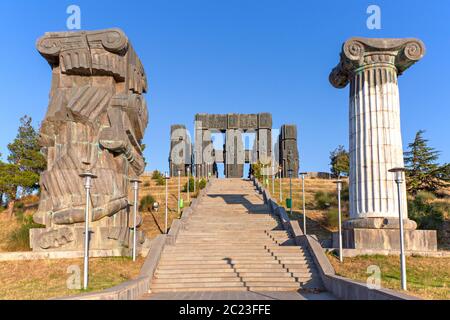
(233,242)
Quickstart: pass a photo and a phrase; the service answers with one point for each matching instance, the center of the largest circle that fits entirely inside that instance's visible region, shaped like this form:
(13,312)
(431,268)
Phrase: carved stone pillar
(289,158)
(371,66)
(95,121)
(235,154)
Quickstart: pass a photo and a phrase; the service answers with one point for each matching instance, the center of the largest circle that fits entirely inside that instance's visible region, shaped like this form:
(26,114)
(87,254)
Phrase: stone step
(226,232)
(266,261)
(229,236)
(221,242)
(221,289)
(196,270)
(210,259)
(227,224)
(248,267)
(193,256)
(226,286)
(227,247)
(188,285)
(213,278)
(218,249)
(232,273)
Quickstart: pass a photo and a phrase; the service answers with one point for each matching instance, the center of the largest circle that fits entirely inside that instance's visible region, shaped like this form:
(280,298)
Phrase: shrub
(18,205)
(191,185)
(255,170)
(425,197)
(161,181)
(345,193)
(428,215)
(19,240)
(443,207)
(146,203)
(332,218)
(325,200)
(156,175)
(201,184)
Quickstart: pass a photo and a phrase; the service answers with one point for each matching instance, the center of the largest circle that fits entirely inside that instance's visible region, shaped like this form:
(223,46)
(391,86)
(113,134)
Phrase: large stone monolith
(95,121)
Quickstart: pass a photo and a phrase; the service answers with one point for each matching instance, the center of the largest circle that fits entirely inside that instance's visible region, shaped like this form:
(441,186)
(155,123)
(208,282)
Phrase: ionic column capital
(359,53)
(94,53)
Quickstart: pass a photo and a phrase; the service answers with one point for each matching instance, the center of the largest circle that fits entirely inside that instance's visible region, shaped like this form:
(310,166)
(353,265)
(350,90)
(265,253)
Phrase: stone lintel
(239,121)
(361,52)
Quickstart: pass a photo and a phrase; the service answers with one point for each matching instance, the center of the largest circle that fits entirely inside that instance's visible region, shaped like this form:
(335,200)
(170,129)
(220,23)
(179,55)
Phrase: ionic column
(371,66)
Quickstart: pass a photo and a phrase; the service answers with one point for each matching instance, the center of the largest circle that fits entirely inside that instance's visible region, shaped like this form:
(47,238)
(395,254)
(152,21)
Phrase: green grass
(427,277)
(19,239)
(43,279)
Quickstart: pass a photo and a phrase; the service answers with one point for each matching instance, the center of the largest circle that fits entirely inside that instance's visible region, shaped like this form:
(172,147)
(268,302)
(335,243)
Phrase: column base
(379,223)
(384,234)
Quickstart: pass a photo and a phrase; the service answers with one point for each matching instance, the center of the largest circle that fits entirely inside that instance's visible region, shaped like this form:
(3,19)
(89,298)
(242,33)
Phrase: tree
(25,150)
(9,175)
(339,161)
(25,163)
(422,169)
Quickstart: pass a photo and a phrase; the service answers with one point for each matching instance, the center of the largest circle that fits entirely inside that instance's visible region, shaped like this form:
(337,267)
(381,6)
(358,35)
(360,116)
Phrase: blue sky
(238,56)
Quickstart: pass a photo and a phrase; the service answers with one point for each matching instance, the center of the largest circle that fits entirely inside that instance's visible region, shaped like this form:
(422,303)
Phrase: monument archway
(202,158)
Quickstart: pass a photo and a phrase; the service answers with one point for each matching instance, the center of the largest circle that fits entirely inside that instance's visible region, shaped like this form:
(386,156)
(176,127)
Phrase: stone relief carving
(95,121)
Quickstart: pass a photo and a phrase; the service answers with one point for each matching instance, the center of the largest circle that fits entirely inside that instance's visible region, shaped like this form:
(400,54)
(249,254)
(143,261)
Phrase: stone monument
(372,66)
(204,158)
(95,122)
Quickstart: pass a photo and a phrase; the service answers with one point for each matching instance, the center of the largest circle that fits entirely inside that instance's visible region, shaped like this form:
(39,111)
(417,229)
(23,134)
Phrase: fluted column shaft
(375,142)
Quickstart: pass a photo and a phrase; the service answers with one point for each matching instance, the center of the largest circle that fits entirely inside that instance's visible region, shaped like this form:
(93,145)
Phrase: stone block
(264,120)
(289,132)
(233,121)
(217,121)
(248,121)
(202,120)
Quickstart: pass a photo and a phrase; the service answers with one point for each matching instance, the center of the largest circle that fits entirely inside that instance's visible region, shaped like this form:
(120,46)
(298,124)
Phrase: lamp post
(302,175)
(399,180)
(290,189)
(273,180)
(88,176)
(263,177)
(167,177)
(279,179)
(339,187)
(179,192)
(194,175)
(135,183)
(188,186)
